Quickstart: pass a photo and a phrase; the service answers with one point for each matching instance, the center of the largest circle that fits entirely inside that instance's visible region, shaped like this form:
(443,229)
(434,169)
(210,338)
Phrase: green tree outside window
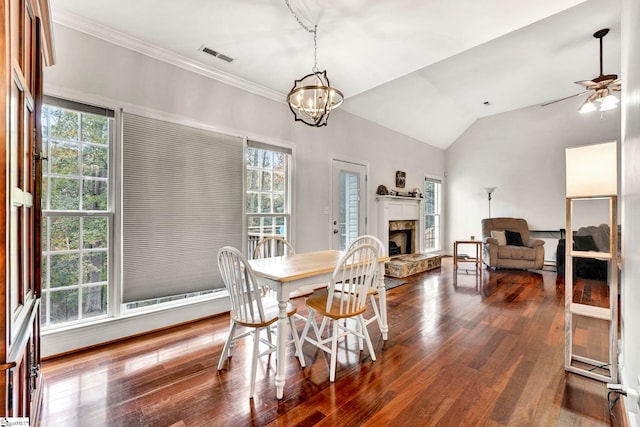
(75,202)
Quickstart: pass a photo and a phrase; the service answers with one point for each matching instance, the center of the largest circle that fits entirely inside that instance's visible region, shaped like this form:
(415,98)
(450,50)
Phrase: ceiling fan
(601,87)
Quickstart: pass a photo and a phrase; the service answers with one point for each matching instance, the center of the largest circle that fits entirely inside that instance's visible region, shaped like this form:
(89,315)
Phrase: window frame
(439,216)
(108,213)
(288,193)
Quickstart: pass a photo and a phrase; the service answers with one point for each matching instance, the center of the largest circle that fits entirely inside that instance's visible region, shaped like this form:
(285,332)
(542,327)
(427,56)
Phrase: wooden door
(20,229)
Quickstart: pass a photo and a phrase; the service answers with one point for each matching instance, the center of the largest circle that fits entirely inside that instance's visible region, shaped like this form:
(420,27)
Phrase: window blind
(269,147)
(181,202)
(78,106)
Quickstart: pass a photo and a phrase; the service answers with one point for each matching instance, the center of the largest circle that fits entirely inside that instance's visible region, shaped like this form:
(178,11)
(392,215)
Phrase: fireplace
(401,230)
(399,224)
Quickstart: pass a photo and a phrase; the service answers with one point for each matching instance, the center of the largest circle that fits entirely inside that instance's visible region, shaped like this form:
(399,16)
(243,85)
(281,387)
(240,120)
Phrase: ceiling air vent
(218,55)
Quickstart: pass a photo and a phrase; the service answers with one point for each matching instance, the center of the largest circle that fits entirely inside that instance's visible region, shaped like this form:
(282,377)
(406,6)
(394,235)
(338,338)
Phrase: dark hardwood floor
(460,353)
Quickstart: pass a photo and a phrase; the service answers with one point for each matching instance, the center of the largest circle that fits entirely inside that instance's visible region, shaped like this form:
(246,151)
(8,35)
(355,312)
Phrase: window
(432,213)
(267,192)
(77,213)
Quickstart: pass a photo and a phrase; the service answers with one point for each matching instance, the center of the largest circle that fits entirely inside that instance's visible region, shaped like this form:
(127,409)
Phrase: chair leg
(365,332)
(376,311)
(226,350)
(305,330)
(296,341)
(322,326)
(269,335)
(254,360)
(334,351)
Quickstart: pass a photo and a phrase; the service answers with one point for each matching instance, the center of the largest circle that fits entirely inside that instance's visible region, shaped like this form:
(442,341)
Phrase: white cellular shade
(181,202)
(592,170)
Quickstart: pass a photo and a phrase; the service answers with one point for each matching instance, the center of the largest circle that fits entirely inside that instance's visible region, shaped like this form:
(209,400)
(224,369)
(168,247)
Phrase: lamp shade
(592,170)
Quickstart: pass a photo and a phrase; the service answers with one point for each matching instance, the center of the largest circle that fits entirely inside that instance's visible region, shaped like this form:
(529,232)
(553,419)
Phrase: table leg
(455,255)
(382,298)
(281,348)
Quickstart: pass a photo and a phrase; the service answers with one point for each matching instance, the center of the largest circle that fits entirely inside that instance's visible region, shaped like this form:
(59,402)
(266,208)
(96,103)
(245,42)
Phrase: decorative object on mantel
(400,195)
(312,98)
(382,190)
(489,190)
(400,179)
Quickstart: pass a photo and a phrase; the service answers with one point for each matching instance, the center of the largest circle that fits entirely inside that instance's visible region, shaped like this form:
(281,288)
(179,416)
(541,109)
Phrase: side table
(477,260)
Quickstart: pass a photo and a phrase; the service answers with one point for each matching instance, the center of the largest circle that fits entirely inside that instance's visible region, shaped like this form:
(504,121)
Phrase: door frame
(363,193)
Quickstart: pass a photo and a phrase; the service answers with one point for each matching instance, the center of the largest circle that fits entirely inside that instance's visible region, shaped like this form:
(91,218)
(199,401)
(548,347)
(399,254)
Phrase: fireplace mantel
(397,208)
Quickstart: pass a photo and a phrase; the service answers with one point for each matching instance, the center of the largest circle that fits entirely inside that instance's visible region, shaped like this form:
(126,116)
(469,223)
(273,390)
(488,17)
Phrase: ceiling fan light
(608,106)
(587,107)
(609,102)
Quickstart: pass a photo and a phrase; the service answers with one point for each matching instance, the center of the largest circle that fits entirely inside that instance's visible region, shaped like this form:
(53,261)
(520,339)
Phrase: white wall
(94,71)
(630,314)
(522,153)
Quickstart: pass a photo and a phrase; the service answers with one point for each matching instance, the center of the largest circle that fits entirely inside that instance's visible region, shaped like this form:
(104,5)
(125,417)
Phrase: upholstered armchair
(507,244)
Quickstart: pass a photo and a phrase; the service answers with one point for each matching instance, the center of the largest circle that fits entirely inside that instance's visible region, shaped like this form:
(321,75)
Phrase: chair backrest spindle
(273,246)
(355,273)
(244,292)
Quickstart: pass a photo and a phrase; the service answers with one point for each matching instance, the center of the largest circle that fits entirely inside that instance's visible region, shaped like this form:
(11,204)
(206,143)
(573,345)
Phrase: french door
(348,202)
(20,46)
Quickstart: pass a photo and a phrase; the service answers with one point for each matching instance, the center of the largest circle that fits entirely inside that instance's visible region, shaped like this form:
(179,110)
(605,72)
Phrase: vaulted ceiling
(427,69)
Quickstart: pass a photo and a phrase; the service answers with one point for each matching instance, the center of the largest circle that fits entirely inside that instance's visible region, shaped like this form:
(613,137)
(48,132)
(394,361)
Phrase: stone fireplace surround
(402,219)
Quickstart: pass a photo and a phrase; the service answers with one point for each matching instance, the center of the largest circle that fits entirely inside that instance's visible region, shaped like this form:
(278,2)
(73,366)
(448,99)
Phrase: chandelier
(312,98)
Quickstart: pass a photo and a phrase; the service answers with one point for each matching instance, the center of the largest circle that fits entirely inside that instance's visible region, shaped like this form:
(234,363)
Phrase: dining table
(285,274)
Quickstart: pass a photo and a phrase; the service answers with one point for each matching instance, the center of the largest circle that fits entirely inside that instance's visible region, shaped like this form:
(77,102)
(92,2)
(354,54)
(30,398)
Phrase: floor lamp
(490,190)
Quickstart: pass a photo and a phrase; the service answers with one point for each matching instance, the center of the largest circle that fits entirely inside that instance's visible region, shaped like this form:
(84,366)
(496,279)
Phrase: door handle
(336,231)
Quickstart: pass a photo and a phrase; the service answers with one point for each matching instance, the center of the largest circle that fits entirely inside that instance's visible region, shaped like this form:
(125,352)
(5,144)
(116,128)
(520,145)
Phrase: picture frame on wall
(400,179)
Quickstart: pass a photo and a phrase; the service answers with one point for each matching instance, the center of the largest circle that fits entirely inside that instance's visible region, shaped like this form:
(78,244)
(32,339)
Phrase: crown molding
(110,35)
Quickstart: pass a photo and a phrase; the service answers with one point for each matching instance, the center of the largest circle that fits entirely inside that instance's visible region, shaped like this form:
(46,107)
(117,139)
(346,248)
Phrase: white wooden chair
(354,273)
(373,290)
(272,246)
(250,309)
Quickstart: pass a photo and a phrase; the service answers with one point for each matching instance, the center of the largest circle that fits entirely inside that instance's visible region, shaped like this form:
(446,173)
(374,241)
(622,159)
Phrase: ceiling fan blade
(587,83)
(615,85)
(562,99)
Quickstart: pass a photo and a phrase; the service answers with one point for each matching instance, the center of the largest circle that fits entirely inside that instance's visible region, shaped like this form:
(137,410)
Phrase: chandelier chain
(313,30)
(315,48)
(298,19)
